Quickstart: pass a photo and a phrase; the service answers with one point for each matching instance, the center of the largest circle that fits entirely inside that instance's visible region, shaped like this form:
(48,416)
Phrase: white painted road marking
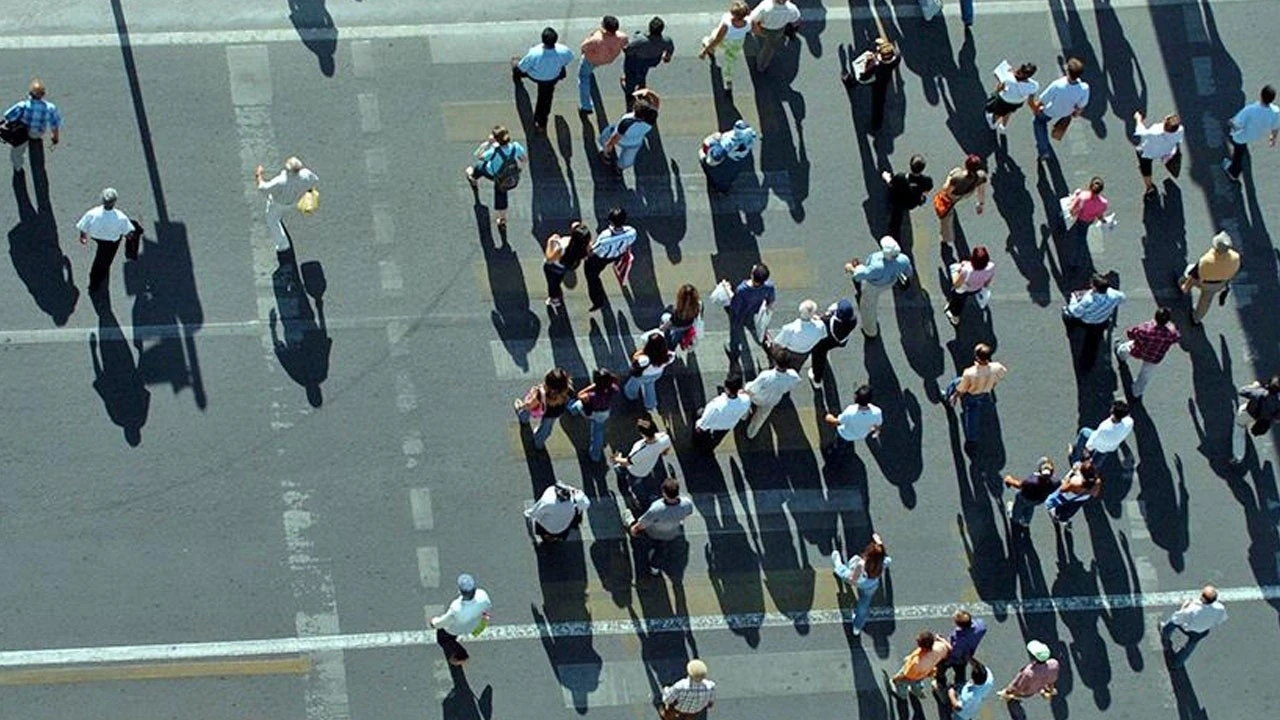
(531,631)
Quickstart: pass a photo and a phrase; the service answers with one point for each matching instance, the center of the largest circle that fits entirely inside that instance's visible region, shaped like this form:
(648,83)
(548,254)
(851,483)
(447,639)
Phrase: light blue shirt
(1092,308)
(544,64)
(882,272)
(1254,122)
(494,156)
(971,697)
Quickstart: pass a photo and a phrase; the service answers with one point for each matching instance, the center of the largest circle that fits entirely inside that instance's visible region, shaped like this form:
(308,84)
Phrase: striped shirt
(1092,308)
(38,115)
(613,242)
(981,379)
(689,696)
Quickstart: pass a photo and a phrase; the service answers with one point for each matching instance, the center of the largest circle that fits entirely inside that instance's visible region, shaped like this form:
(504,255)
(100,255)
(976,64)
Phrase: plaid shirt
(1152,341)
(38,115)
(690,696)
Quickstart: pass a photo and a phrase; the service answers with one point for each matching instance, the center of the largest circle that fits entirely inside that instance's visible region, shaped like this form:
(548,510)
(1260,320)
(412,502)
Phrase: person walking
(1030,492)
(1261,408)
(594,402)
(647,365)
(880,272)
(730,35)
(500,159)
(545,65)
(106,226)
(1060,101)
(721,415)
(960,183)
(642,54)
(563,255)
(859,421)
(620,144)
(1212,274)
(284,191)
(1081,209)
(556,513)
(919,666)
(611,246)
(966,702)
(682,321)
(876,68)
(1254,122)
(767,390)
(545,402)
(1148,343)
(975,388)
(752,300)
(770,21)
(840,320)
(907,191)
(662,523)
(1013,88)
(635,470)
(1038,677)
(864,572)
(1196,617)
(1158,142)
(602,47)
(964,639)
(690,696)
(970,277)
(40,117)
(723,155)
(468,614)
(1081,484)
(1100,444)
(795,340)
(1095,310)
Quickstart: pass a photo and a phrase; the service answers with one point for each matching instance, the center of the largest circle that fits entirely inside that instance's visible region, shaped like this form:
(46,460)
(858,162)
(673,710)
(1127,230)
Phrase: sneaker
(728,86)
(1226,168)
(815,382)
(991,121)
(856,632)
(654,572)
(954,320)
(1008,509)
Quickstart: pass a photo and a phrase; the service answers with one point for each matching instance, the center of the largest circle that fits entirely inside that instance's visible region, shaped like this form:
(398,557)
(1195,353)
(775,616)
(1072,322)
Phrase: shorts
(997,106)
(1145,165)
(480,170)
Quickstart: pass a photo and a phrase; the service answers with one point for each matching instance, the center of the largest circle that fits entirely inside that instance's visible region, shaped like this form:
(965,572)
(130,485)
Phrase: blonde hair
(293,164)
(739,9)
(36,89)
(696,669)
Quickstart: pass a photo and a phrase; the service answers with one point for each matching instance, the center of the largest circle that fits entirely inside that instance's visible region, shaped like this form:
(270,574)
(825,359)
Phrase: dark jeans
(705,441)
(879,96)
(453,649)
(1238,153)
(1040,129)
(738,342)
(957,669)
(100,272)
(1023,510)
(595,286)
(955,303)
(633,78)
(819,356)
(1193,639)
(542,105)
(554,272)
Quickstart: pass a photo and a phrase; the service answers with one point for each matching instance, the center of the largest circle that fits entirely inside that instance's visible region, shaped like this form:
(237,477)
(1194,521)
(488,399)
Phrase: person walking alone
(545,65)
(1212,274)
(284,191)
(864,572)
(1260,409)
(880,272)
(107,226)
(1100,444)
(1031,492)
(557,512)
(840,320)
(688,697)
(1194,619)
(468,614)
(642,54)
(960,183)
(40,117)
(859,421)
(1251,124)
(1038,677)
(1094,310)
(767,390)
(1061,100)
(602,47)
(1158,142)
(611,246)
(770,21)
(975,388)
(661,524)
(1148,343)
(1081,209)
(498,158)
(971,277)
(729,35)
(721,415)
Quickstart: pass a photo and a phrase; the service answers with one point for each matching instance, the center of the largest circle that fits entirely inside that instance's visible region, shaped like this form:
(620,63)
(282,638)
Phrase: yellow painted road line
(299,665)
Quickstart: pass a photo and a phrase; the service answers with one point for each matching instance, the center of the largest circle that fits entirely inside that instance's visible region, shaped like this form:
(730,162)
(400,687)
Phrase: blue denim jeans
(866,593)
(646,386)
(1100,459)
(597,420)
(966,11)
(1040,128)
(585,78)
(975,408)
(540,433)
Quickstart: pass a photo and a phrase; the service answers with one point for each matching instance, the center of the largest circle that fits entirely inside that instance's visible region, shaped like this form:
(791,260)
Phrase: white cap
(1222,241)
(1038,650)
(890,246)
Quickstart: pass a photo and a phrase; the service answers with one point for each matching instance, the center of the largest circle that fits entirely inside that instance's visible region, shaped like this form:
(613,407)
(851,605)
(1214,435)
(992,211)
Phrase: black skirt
(997,106)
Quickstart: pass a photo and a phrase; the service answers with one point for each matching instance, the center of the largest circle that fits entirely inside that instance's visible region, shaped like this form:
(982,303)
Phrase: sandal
(466,172)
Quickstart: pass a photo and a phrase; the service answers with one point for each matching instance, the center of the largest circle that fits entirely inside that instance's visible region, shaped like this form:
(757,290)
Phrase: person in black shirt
(874,67)
(906,192)
(1032,491)
(641,55)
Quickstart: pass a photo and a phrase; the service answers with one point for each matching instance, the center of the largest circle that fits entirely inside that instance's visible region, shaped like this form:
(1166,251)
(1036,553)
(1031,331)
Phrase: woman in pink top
(1088,205)
(969,278)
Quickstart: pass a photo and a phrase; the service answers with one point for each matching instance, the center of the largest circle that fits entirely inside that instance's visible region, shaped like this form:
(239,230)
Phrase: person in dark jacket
(1261,408)
(907,191)
(841,319)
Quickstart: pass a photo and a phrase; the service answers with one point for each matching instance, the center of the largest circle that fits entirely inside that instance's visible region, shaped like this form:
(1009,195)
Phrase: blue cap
(844,309)
(466,584)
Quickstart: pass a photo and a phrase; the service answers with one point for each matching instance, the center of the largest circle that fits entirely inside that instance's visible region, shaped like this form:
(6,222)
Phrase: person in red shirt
(1148,342)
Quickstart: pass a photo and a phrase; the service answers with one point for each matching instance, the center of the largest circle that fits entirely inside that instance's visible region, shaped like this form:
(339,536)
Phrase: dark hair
(962,618)
(1026,70)
(580,237)
(1100,283)
(1172,122)
(1119,409)
(646,426)
(917,163)
(501,134)
(1162,315)
(979,258)
(862,396)
(1268,94)
(925,640)
(982,352)
(978,671)
(732,384)
(873,559)
(609,23)
(644,111)
(972,163)
(556,380)
(1273,385)
(655,348)
(1088,472)
(604,377)
(671,488)
(760,272)
(656,26)
(1075,68)
(550,37)
(617,216)
(1096,185)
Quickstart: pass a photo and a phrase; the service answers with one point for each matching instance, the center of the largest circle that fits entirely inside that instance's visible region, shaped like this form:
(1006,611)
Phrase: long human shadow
(315,26)
(1214,397)
(1184,694)
(115,376)
(1127,84)
(1013,201)
(1036,625)
(462,703)
(551,203)
(1087,650)
(1164,249)
(517,326)
(784,160)
(165,273)
(1118,574)
(302,343)
(733,563)
(1165,507)
(34,249)
(898,453)
(1259,500)
(964,90)
(1074,42)
(562,573)
(659,196)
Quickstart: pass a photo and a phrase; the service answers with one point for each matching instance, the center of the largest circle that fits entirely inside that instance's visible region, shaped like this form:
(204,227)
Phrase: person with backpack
(500,159)
(1260,408)
(621,143)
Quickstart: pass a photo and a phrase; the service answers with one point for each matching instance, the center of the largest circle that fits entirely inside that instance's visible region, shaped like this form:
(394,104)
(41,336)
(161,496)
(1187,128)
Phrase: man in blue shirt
(966,635)
(40,117)
(965,703)
(750,295)
(880,271)
(1253,122)
(1094,309)
(545,65)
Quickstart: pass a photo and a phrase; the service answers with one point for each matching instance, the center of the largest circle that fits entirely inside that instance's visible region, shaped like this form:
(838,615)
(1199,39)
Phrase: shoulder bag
(13,132)
(943,203)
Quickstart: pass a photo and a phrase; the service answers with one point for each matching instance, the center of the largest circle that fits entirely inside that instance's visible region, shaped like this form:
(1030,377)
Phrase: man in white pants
(283,193)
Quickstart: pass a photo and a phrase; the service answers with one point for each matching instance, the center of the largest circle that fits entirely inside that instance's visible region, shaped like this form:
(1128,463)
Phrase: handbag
(484,623)
(622,267)
(1174,163)
(1067,204)
(1060,128)
(309,202)
(722,295)
(943,203)
(983,298)
(762,319)
(13,132)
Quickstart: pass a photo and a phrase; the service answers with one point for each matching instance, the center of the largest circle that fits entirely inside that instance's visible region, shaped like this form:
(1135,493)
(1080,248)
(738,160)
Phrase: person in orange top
(919,667)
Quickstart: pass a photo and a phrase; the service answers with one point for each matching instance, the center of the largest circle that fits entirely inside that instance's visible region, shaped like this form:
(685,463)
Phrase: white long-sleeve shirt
(1155,143)
(1195,616)
(770,386)
(556,515)
(800,335)
(1109,434)
(287,188)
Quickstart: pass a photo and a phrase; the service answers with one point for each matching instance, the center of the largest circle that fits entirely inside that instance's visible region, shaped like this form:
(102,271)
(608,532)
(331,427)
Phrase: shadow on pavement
(315,26)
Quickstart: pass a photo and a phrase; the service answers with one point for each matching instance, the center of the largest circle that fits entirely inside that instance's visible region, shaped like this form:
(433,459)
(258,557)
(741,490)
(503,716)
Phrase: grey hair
(808,309)
(109,196)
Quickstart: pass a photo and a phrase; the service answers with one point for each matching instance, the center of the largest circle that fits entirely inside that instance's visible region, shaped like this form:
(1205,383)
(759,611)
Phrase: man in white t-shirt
(766,391)
(859,421)
(556,512)
(1194,619)
(283,193)
(1253,122)
(721,415)
(769,21)
(1104,441)
(635,470)
(106,226)
(1062,99)
(467,614)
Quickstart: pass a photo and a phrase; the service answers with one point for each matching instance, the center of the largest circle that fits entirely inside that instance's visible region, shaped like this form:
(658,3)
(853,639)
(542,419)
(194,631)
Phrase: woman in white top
(969,277)
(283,193)
(647,365)
(729,34)
(1013,87)
(1158,142)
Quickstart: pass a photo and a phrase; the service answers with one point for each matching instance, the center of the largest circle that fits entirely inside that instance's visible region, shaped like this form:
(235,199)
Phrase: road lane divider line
(182,670)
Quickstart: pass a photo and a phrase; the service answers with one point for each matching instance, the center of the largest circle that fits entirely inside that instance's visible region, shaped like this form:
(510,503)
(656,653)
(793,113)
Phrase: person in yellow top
(1211,273)
(919,667)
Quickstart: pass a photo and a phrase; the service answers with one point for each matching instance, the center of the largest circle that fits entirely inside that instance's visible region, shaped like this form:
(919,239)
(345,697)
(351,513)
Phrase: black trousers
(819,356)
(542,105)
(1238,153)
(100,272)
(879,96)
(554,272)
(957,669)
(595,286)
(453,649)
(705,441)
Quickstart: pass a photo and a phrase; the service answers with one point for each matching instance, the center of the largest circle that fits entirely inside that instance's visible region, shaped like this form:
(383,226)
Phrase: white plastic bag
(763,317)
(983,298)
(723,294)
(1067,202)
